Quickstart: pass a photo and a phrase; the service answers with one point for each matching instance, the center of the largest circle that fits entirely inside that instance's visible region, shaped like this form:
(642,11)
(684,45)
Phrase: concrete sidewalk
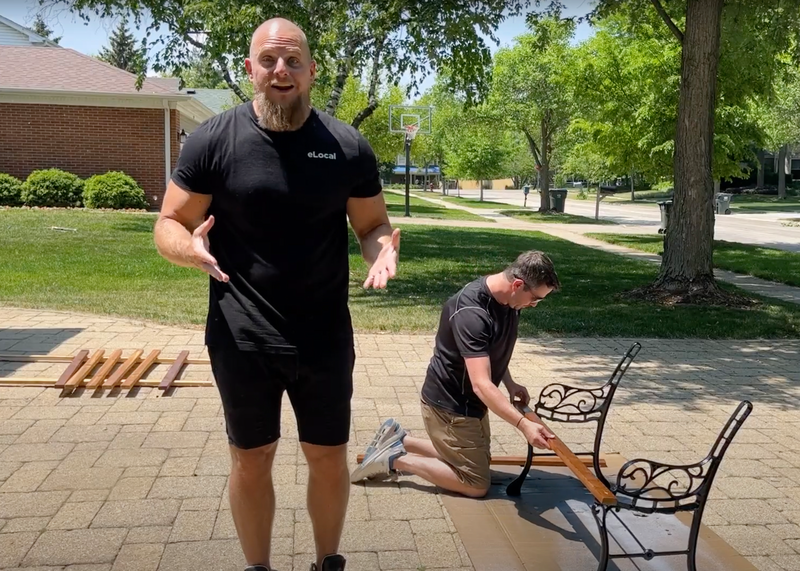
(140,482)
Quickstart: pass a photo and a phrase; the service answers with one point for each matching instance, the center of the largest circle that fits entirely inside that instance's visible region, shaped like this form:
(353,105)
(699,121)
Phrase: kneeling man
(474,343)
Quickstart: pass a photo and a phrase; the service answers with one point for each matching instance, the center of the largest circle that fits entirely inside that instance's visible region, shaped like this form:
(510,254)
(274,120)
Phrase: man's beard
(274,117)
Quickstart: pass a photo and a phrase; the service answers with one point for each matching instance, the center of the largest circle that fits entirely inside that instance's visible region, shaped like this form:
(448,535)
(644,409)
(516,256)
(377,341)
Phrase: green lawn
(553,217)
(110,266)
(763,203)
(766,263)
(396,205)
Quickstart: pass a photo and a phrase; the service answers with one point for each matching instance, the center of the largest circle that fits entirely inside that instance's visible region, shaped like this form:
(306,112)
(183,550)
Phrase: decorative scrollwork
(662,483)
(573,401)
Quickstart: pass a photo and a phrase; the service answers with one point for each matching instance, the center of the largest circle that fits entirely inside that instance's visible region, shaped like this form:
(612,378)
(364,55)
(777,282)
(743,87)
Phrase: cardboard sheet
(550,527)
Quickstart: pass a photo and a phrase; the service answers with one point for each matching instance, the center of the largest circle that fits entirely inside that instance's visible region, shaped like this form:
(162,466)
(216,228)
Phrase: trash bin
(724,203)
(558,196)
(665,207)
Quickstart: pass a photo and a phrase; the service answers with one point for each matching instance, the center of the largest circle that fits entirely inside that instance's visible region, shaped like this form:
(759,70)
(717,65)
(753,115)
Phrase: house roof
(171,83)
(33,37)
(62,69)
(215,99)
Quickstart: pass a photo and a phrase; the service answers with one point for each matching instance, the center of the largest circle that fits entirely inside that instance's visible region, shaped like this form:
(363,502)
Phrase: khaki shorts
(463,443)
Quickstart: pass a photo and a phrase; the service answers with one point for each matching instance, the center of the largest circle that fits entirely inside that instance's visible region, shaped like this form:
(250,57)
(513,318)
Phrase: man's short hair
(535,269)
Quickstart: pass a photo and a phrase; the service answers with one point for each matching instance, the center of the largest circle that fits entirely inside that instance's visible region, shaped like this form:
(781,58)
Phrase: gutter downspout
(167,145)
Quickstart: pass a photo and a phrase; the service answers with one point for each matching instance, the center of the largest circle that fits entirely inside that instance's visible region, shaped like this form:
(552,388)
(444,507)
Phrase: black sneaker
(330,563)
(257,568)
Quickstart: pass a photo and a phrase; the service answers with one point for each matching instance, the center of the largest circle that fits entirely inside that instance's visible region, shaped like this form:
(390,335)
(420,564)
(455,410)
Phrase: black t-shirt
(280,226)
(473,324)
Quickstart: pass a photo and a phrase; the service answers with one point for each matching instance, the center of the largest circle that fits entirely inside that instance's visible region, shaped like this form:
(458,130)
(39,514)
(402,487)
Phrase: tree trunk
(633,194)
(544,205)
(687,265)
(782,171)
(760,175)
(342,73)
(372,104)
(536,156)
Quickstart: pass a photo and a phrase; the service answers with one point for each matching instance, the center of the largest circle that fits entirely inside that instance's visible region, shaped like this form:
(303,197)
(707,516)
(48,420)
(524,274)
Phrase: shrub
(52,187)
(113,190)
(10,190)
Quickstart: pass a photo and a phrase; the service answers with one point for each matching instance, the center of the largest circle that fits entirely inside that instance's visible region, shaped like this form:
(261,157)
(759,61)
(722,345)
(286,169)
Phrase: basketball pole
(408,175)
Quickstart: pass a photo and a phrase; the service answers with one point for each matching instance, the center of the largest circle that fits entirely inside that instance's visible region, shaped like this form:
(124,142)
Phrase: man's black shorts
(251,384)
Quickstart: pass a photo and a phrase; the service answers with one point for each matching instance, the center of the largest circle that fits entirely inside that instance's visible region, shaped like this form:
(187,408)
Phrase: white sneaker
(380,463)
(390,431)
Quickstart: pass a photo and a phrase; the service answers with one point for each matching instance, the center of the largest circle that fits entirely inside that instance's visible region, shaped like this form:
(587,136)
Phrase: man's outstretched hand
(202,255)
(385,266)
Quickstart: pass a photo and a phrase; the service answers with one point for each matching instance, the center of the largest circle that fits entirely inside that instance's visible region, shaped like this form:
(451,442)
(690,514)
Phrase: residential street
(757,229)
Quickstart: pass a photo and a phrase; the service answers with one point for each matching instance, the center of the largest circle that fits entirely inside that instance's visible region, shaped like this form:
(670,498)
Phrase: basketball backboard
(401,116)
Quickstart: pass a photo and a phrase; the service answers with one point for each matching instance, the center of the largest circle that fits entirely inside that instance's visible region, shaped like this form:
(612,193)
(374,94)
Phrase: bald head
(281,29)
(282,72)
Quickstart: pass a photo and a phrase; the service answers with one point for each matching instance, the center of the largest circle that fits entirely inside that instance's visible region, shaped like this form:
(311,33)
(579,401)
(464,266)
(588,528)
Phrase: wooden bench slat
(71,368)
(115,379)
(76,379)
(141,369)
(103,371)
(595,486)
(549,461)
(172,374)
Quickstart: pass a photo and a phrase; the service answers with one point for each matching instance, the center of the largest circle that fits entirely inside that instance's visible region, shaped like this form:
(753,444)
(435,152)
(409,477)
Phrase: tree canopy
(380,39)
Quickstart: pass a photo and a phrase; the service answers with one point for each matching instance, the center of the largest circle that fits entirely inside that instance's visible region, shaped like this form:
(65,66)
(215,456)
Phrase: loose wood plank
(548,461)
(115,379)
(172,374)
(71,368)
(141,369)
(595,486)
(103,372)
(78,378)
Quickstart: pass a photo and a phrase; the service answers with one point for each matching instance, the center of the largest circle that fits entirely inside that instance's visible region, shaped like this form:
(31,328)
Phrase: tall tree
(40,27)
(476,155)
(122,52)
(728,52)
(531,89)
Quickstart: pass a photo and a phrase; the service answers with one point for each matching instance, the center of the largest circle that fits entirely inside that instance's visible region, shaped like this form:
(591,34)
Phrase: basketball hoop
(411,131)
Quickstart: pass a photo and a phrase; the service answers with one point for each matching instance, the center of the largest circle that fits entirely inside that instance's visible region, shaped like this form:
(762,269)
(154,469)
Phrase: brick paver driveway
(140,482)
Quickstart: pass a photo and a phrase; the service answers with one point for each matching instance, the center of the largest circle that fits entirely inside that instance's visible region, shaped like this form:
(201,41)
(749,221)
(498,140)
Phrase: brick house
(63,109)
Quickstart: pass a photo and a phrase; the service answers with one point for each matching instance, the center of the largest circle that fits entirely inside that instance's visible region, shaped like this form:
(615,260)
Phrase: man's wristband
(521,418)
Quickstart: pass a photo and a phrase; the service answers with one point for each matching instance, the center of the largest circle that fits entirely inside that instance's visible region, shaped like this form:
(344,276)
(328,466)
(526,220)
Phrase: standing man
(260,200)
(476,338)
